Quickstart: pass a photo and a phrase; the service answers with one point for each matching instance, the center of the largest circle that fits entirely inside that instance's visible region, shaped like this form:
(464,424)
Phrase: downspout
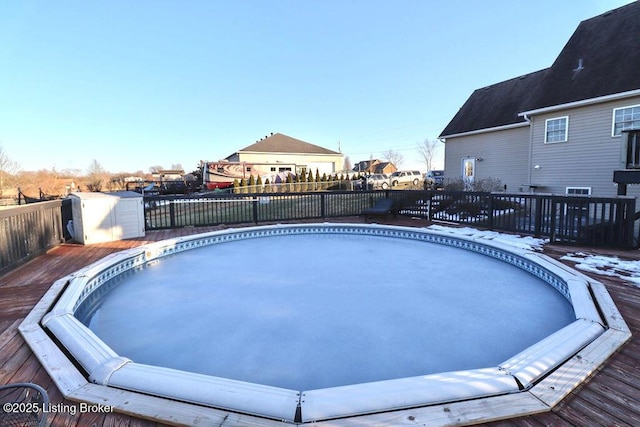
(444,158)
(528,120)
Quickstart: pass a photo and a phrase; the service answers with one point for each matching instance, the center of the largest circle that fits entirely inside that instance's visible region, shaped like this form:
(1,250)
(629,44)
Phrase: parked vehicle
(434,180)
(377,181)
(405,177)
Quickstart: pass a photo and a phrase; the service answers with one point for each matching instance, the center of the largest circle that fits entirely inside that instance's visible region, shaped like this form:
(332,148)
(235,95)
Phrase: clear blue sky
(140,83)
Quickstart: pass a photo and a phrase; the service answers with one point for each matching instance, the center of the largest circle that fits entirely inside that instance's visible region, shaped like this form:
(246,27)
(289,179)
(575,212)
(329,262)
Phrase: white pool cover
(311,322)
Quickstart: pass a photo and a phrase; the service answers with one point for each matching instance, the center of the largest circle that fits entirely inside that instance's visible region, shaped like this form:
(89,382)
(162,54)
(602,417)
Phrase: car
(405,177)
(377,181)
(434,180)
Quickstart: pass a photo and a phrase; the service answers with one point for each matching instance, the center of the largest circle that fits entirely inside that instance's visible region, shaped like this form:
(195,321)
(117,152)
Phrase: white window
(582,191)
(625,118)
(556,130)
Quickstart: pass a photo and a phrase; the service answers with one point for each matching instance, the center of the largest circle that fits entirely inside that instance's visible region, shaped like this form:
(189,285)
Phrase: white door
(468,169)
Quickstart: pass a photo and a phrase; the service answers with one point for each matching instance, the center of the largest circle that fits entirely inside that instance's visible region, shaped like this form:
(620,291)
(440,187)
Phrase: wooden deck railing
(27,231)
(583,220)
(633,149)
(593,221)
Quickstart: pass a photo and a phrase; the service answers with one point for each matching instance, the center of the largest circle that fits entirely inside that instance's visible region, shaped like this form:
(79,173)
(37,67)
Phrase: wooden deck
(610,397)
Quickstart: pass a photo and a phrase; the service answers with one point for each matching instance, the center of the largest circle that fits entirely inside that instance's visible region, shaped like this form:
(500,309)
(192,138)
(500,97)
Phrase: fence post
(537,231)
(255,209)
(490,208)
(172,213)
(629,223)
(322,205)
(552,226)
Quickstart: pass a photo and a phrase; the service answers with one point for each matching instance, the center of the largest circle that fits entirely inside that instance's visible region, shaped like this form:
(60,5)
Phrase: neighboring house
(279,148)
(168,174)
(562,129)
(375,166)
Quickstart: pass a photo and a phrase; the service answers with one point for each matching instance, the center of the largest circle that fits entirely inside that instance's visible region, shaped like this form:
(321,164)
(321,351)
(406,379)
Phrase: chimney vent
(580,65)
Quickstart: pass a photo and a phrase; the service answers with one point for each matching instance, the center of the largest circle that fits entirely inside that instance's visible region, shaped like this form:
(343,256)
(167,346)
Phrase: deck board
(610,396)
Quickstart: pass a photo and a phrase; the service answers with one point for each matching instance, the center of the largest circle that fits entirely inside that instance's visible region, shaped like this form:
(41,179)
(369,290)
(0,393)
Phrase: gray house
(564,129)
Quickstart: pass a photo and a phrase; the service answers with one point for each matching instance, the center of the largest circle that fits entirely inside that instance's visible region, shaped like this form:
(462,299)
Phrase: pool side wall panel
(272,402)
(402,393)
(536,361)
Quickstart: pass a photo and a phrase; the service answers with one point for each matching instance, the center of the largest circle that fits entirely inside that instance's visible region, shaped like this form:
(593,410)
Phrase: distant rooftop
(279,143)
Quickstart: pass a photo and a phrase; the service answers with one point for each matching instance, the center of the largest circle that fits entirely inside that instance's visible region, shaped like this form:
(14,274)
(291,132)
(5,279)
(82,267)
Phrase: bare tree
(49,182)
(7,167)
(347,163)
(155,169)
(96,175)
(428,150)
(117,182)
(394,157)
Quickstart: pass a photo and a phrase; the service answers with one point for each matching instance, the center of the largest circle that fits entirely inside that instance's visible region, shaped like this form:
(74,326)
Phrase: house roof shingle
(279,143)
(496,105)
(601,58)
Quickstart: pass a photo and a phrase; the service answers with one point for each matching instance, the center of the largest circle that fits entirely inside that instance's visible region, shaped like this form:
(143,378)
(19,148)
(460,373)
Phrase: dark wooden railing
(584,220)
(633,149)
(181,211)
(27,231)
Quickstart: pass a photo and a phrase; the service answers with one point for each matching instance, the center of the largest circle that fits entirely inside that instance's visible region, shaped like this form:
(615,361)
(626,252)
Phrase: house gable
(600,59)
(385,167)
(366,165)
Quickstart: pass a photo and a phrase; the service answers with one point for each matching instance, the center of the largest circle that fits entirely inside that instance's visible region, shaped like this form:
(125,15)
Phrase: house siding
(504,155)
(325,163)
(588,157)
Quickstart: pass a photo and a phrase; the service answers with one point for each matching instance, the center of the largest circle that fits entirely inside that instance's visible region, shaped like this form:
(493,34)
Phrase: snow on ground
(599,264)
(526,242)
(607,266)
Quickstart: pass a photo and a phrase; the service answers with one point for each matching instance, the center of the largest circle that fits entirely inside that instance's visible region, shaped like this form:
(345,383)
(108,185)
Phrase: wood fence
(27,231)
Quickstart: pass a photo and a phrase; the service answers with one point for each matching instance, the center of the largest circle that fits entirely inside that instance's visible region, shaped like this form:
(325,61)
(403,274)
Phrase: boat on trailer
(223,173)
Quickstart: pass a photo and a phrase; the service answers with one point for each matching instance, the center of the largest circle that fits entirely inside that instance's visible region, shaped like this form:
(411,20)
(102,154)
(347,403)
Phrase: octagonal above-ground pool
(334,323)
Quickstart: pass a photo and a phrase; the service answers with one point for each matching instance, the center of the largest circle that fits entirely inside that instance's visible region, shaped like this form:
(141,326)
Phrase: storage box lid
(93,195)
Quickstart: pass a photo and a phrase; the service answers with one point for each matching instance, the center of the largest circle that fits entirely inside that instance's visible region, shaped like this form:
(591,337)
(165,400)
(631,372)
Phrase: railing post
(552,226)
(629,223)
(490,208)
(172,213)
(537,230)
(255,209)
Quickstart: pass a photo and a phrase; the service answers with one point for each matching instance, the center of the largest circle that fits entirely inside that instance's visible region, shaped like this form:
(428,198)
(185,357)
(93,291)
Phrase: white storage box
(105,217)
